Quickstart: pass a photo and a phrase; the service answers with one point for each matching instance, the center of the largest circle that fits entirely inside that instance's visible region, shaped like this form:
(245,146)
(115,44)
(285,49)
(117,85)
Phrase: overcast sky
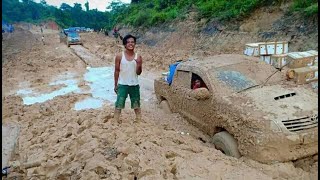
(93,4)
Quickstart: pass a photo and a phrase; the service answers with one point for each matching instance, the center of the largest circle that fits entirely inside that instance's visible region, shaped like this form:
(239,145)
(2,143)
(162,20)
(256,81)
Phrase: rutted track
(86,56)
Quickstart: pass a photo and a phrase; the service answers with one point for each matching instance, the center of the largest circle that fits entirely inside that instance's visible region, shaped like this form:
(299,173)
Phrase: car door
(178,89)
(198,110)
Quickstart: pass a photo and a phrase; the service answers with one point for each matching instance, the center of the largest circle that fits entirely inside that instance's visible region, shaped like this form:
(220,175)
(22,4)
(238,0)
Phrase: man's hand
(116,89)
(139,61)
(139,65)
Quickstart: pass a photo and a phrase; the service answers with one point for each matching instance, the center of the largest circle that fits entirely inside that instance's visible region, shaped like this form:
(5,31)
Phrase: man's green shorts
(134,93)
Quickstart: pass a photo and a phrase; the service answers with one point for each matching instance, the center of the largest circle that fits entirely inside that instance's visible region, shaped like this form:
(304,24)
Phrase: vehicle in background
(71,29)
(66,31)
(77,29)
(73,38)
(6,27)
(82,29)
(89,30)
(70,37)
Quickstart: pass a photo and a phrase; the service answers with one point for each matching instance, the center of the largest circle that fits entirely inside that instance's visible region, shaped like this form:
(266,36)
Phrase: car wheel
(165,106)
(226,143)
(68,45)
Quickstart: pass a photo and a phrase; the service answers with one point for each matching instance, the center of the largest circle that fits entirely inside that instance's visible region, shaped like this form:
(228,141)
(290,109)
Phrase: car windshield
(235,79)
(73,35)
(239,77)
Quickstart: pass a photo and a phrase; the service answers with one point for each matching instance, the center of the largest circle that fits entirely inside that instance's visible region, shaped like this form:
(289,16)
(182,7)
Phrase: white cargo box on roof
(303,59)
(266,48)
(251,49)
(314,52)
(300,55)
(278,60)
(269,48)
(266,58)
(304,74)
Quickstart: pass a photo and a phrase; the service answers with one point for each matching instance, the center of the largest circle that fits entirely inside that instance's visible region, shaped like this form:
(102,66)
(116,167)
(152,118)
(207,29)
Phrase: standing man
(128,65)
(116,34)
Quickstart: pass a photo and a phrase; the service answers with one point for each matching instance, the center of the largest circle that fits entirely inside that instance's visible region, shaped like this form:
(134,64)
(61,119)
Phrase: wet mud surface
(64,110)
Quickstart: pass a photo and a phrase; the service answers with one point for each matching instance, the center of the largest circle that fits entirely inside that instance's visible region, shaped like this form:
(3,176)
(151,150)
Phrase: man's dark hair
(124,40)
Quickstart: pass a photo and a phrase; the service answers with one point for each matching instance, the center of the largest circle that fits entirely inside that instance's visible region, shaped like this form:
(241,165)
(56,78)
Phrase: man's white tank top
(128,74)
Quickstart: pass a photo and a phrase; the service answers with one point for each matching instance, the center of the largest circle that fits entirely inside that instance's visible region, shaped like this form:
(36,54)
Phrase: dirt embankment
(87,144)
(190,38)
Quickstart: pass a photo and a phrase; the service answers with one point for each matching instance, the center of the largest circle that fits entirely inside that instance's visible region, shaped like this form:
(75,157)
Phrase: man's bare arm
(116,72)
(139,65)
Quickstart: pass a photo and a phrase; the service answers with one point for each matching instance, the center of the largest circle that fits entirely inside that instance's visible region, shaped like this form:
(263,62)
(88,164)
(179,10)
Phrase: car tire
(226,143)
(165,106)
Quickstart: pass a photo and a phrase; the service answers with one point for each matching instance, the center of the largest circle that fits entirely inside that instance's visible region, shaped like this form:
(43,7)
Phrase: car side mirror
(200,94)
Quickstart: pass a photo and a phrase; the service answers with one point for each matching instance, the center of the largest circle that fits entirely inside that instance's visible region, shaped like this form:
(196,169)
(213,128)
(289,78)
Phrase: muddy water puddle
(99,80)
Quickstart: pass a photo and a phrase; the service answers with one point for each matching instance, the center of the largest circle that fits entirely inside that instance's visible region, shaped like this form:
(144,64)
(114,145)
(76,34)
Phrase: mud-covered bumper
(74,43)
(281,148)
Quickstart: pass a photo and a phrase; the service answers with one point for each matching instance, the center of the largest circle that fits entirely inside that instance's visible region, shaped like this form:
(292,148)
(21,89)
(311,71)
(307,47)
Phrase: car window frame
(189,79)
(202,79)
(178,78)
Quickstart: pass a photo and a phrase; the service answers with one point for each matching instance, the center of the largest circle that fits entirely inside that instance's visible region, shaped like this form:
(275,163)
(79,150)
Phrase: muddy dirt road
(62,101)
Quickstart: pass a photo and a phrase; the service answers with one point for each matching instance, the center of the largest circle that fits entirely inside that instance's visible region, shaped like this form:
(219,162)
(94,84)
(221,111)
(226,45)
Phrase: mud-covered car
(70,37)
(73,38)
(245,107)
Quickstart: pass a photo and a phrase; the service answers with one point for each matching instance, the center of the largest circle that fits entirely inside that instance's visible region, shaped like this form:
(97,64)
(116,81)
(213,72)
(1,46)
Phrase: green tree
(77,7)
(65,7)
(141,12)
(87,6)
(43,2)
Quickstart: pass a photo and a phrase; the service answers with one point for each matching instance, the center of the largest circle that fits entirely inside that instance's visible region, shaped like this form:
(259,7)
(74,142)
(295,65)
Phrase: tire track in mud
(86,56)
(75,52)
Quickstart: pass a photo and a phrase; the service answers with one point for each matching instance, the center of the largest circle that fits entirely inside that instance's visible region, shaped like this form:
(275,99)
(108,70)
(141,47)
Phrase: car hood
(281,103)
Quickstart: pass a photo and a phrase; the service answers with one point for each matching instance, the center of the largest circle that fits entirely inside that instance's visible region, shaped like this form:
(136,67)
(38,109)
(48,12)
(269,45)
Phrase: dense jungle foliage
(141,13)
